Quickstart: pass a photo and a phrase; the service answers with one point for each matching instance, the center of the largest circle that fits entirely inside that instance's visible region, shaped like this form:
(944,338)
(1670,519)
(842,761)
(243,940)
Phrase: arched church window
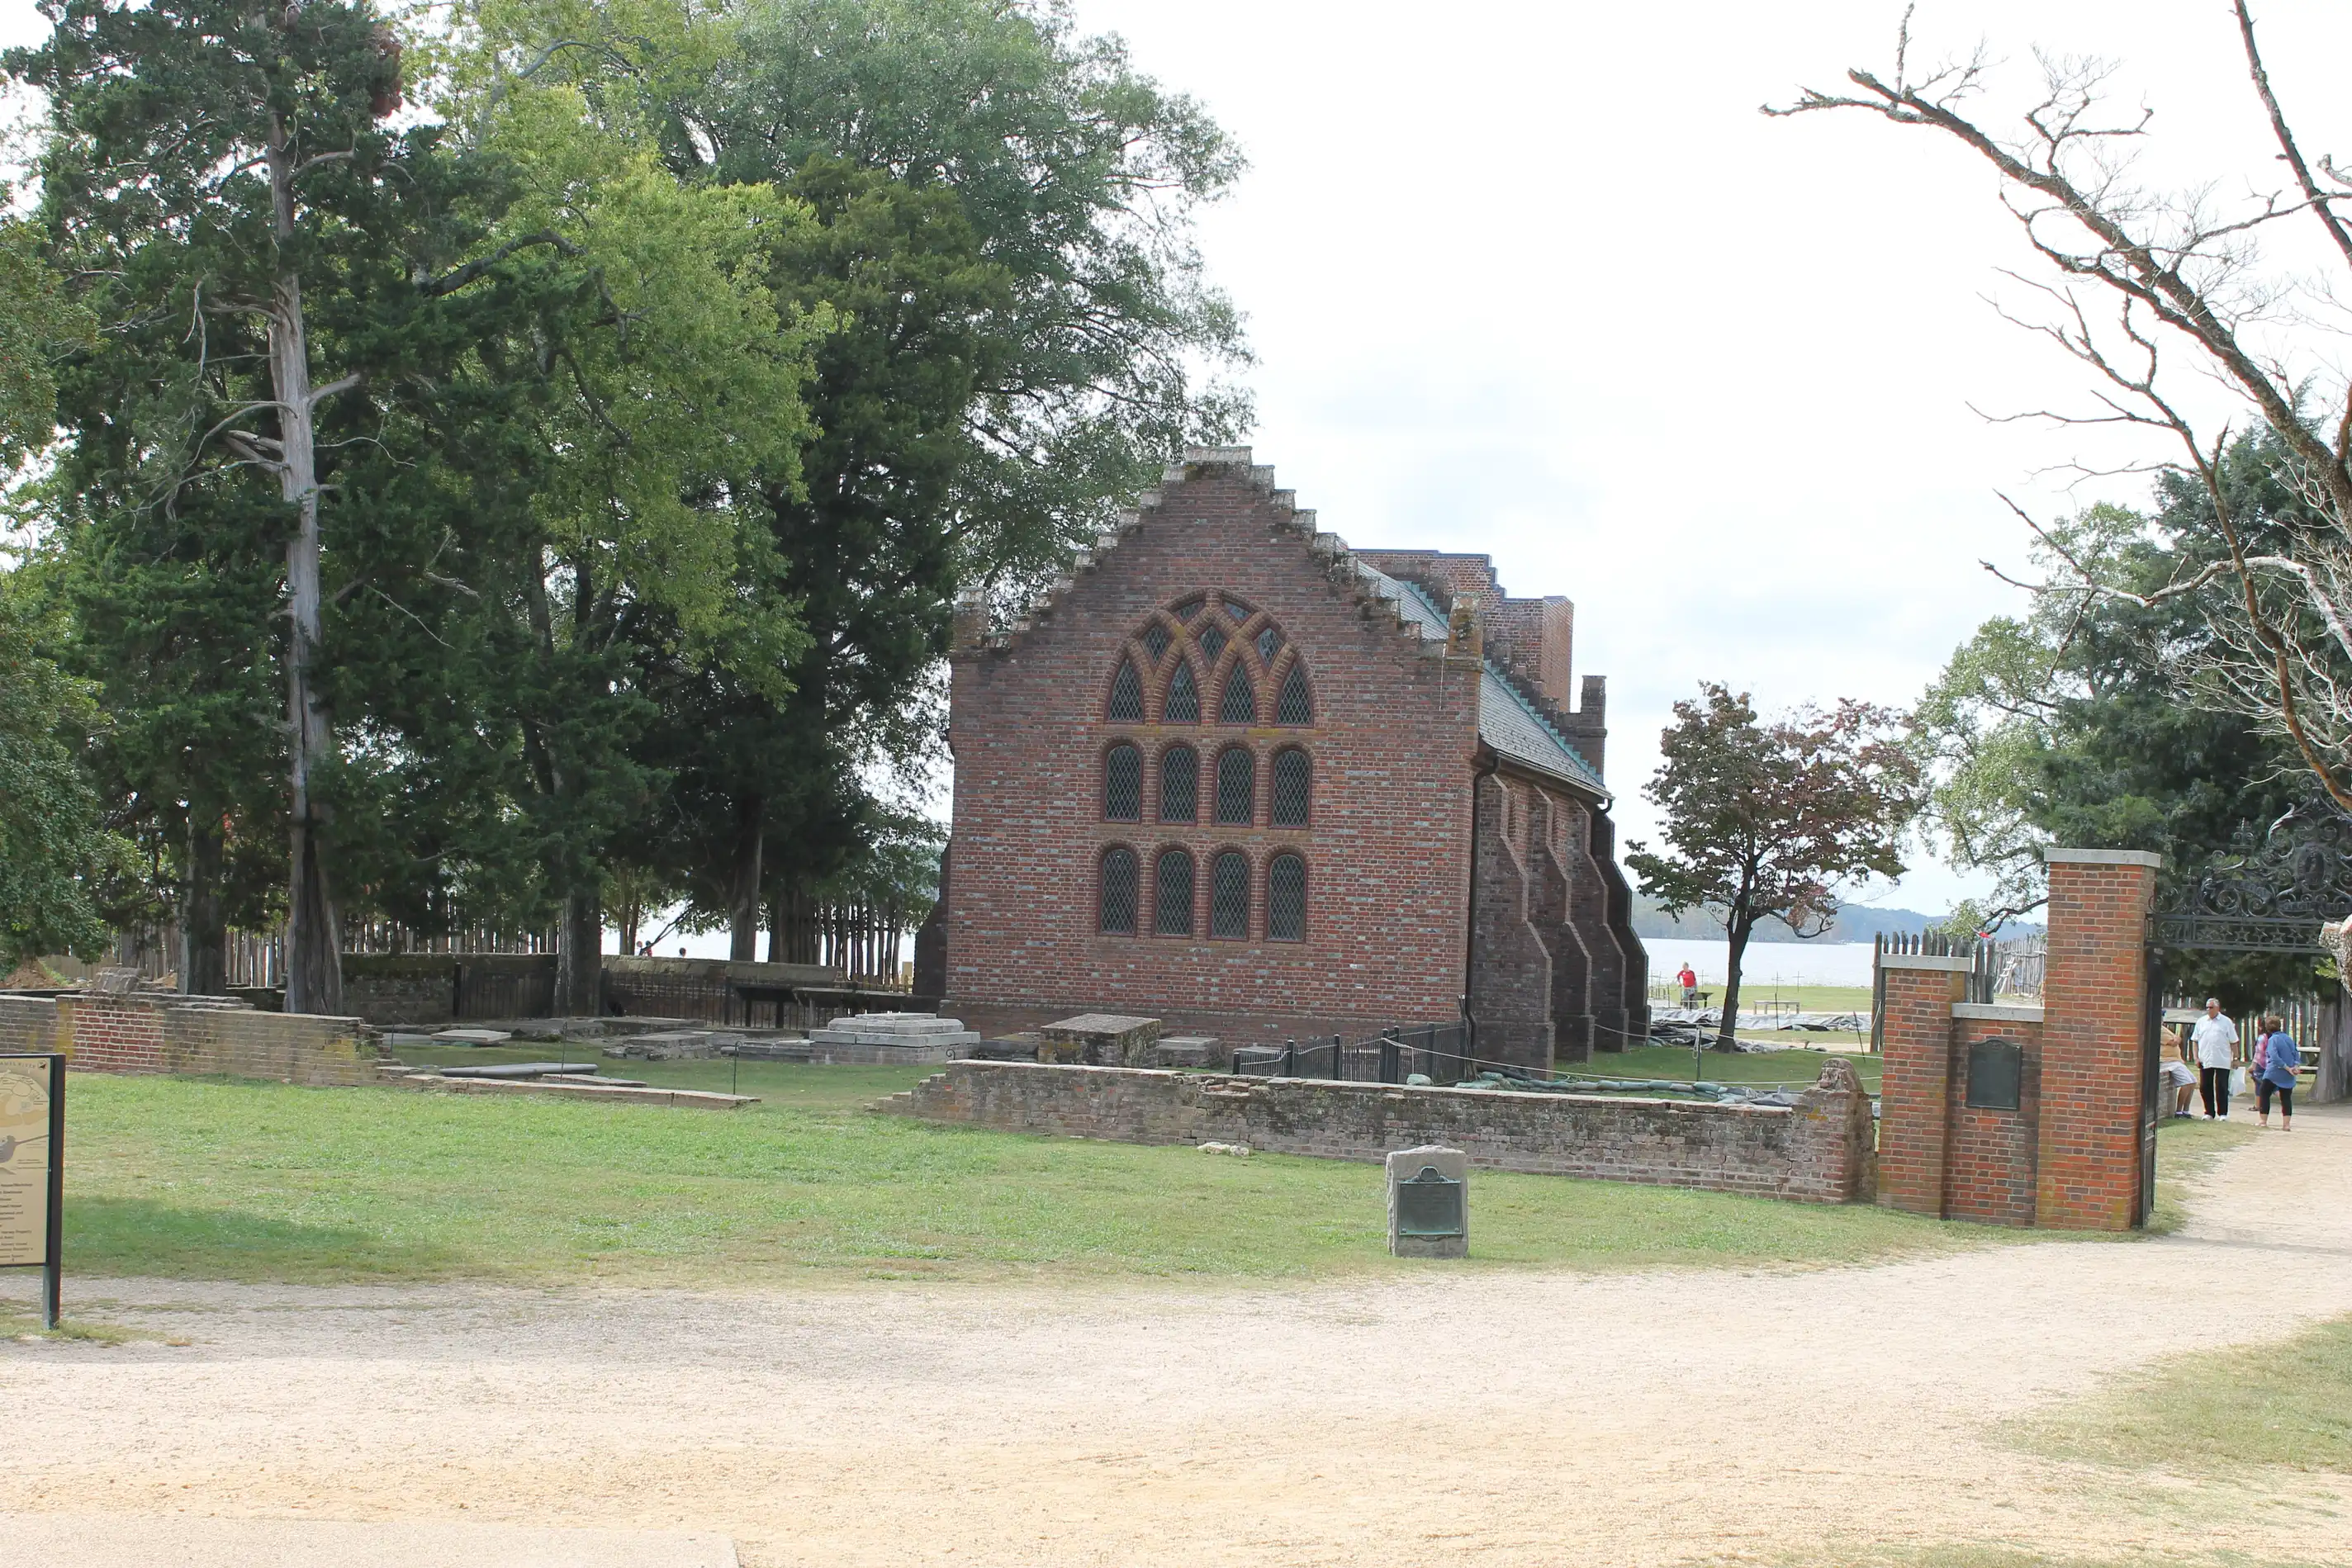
(1189,608)
(1155,641)
(1236,786)
(1213,643)
(1240,703)
(1229,896)
(1268,641)
(1116,902)
(1125,695)
(1183,704)
(1292,775)
(1171,913)
(1286,899)
(1123,783)
(1294,706)
(1180,785)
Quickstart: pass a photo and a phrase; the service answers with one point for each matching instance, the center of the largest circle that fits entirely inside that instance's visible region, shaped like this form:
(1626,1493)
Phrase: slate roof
(1506,721)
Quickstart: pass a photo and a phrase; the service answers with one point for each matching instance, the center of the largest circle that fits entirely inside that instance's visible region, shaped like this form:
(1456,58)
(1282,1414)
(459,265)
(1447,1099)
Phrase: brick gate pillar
(2094,1038)
(1915,1123)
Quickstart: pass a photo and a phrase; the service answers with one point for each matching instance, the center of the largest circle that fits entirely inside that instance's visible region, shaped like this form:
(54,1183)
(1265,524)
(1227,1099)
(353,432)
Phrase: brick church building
(1239,776)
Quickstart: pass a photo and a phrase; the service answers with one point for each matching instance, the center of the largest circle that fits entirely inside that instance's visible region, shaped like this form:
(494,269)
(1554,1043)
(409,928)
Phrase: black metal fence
(1438,1051)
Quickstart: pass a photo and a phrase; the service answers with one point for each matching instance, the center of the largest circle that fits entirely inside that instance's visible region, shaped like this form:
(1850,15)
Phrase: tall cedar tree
(1772,820)
(218,172)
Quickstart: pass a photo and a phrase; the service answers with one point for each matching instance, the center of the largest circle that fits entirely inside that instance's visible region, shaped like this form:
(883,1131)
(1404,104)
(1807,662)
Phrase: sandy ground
(1482,1417)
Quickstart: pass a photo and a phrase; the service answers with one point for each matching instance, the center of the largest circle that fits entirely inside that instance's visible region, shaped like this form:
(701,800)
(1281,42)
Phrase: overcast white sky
(1535,279)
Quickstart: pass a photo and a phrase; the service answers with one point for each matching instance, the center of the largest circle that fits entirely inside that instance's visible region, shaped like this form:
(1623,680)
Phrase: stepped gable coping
(1570,764)
(1374,592)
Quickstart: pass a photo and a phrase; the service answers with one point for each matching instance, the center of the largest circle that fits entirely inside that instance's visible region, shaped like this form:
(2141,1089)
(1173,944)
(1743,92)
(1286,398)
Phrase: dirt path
(1492,1418)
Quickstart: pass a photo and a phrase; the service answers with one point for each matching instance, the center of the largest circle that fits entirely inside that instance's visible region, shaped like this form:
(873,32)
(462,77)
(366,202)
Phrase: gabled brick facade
(1424,690)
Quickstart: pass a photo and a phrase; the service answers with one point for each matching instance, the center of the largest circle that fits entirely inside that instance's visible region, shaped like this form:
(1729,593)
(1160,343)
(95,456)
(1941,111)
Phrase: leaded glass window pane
(1186,611)
(1286,899)
(1118,905)
(1238,610)
(1183,704)
(1172,914)
(1268,640)
(1294,706)
(1125,695)
(1155,641)
(1229,881)
(1291,775)
(1240,703)
(1180,785)
(1236,786)
(1123,784)
(1213,643)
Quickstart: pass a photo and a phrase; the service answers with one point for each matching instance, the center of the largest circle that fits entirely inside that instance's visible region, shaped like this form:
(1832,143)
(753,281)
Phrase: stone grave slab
(870,1038)
(474,1036)
(1099,1039)
(1186,1051)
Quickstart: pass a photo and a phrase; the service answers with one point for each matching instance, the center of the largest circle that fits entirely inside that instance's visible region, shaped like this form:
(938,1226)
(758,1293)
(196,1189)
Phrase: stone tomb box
(1099,1040)
(1428,1202)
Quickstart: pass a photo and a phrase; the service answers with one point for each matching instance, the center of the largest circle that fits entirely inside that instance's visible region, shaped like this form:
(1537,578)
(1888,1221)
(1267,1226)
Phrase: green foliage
(55,848)
(2086,724)
(1773,820)
(37,323)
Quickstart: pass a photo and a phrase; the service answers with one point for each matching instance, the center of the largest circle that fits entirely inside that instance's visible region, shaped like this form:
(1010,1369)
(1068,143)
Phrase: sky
(1537,280)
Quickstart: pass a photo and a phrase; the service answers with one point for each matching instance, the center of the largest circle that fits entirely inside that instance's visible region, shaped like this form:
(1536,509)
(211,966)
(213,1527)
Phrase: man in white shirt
(2216,1039)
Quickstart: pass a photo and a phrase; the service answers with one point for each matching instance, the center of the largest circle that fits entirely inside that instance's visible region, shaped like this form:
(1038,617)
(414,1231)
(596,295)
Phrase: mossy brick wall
(1817,1151)
(144,1034)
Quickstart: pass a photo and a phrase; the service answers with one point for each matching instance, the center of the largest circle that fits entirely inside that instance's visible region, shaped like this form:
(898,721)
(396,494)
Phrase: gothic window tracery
(1123,783)
(1180,785)
(1286,898)
(1236,786)
(1115,906)
(1172,914)
(1125,695)
(1183,704)
(1294,706)
(1229,896)
(1240,702)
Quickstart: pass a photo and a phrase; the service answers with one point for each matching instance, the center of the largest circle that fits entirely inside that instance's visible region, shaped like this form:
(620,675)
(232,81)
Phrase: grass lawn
(2286,1405)
(221,1179)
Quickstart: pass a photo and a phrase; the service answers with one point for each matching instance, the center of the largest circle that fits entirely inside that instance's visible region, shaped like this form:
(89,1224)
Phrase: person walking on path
(2216,1039)
(2275,1059)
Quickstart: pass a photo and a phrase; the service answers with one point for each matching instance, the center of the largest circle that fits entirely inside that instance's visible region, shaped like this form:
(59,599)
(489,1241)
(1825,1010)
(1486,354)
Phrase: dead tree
(2148,284)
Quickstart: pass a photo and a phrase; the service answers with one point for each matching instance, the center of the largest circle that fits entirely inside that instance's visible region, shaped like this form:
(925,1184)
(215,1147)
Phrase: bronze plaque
(1996,1074)
(1429,1205)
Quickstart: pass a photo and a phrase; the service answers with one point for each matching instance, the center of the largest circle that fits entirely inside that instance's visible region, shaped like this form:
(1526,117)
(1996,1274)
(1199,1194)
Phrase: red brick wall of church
(1386,853)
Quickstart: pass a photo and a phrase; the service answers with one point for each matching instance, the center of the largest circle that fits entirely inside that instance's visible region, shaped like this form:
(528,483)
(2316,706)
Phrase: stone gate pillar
(2094,1038)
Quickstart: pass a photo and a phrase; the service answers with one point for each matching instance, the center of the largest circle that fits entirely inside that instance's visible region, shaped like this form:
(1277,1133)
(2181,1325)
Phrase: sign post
(33,1170)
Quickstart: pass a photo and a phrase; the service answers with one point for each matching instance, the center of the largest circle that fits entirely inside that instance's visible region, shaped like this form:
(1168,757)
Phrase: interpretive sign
(1996,1074)
(32,1168)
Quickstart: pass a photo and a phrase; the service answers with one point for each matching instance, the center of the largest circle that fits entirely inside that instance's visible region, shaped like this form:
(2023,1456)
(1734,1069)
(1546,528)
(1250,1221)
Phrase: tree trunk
(203,935)
(1727,1035)
(743,894)
(580,957)
(314,973)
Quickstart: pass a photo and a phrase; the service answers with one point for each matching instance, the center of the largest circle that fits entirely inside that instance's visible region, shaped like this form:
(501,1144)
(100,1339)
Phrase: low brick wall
(188,1037)
(1817,1151)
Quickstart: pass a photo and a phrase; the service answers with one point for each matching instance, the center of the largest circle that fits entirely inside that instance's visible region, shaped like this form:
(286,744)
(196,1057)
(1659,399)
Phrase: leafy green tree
(55,850)
(2081,723)
(1773,818)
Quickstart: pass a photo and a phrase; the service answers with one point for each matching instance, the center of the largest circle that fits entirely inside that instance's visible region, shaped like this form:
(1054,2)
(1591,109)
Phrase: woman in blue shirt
(2277,1058)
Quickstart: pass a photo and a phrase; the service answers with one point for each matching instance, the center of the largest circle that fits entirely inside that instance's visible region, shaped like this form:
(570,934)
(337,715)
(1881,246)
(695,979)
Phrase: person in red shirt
(1689,979)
